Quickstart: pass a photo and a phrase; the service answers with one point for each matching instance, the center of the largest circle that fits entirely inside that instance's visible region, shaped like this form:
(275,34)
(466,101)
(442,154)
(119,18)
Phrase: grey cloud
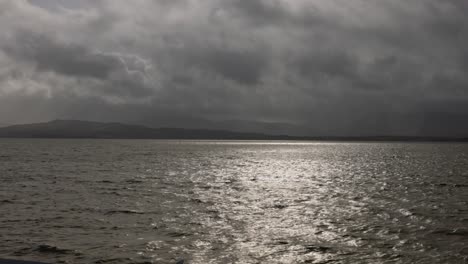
(114,73)
(244,67)
(277,13)
(329,67)
(327,64)
(261,12)
(68,59)
(221,56)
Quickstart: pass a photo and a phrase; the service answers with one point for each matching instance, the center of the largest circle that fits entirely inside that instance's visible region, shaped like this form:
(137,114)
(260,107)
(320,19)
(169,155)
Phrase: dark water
(118,201)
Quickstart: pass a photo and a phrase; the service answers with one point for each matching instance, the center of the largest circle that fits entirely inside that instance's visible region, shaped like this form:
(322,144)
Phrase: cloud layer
(324,67)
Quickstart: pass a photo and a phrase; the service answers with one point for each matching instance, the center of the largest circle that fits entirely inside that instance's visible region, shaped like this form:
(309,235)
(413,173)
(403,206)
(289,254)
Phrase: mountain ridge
(91,129)
(113,130)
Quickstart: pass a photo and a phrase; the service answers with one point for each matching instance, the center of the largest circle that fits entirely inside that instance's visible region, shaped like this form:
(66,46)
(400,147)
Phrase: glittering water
(132,201)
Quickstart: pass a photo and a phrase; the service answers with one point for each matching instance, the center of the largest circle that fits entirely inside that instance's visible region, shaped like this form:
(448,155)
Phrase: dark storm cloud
(244,67)
(261,12)
(64,58)
(330,67)
(327,65)
(114,73)
(276,12)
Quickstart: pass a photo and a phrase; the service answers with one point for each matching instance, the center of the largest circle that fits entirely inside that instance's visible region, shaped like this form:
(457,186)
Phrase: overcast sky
(337,67)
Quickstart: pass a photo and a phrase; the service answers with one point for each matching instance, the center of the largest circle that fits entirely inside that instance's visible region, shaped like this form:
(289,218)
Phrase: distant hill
(88,129)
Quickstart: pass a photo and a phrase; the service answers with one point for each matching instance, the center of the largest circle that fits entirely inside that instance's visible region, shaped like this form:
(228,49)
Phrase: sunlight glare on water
(123,201)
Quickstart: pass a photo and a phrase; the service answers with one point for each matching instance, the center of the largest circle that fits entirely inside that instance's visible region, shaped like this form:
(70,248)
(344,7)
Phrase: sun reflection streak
(279,208)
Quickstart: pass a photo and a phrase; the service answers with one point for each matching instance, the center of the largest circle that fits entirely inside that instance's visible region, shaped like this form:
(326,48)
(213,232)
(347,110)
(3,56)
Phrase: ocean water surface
(150,201)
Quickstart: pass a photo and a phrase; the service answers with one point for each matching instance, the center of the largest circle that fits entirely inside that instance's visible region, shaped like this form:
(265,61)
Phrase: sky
(301,67)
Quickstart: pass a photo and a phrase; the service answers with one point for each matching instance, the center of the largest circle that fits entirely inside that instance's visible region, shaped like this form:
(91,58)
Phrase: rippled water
(137,201)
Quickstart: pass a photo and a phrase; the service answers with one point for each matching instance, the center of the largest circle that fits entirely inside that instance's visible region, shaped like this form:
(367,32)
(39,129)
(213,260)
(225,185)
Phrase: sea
(202,202)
